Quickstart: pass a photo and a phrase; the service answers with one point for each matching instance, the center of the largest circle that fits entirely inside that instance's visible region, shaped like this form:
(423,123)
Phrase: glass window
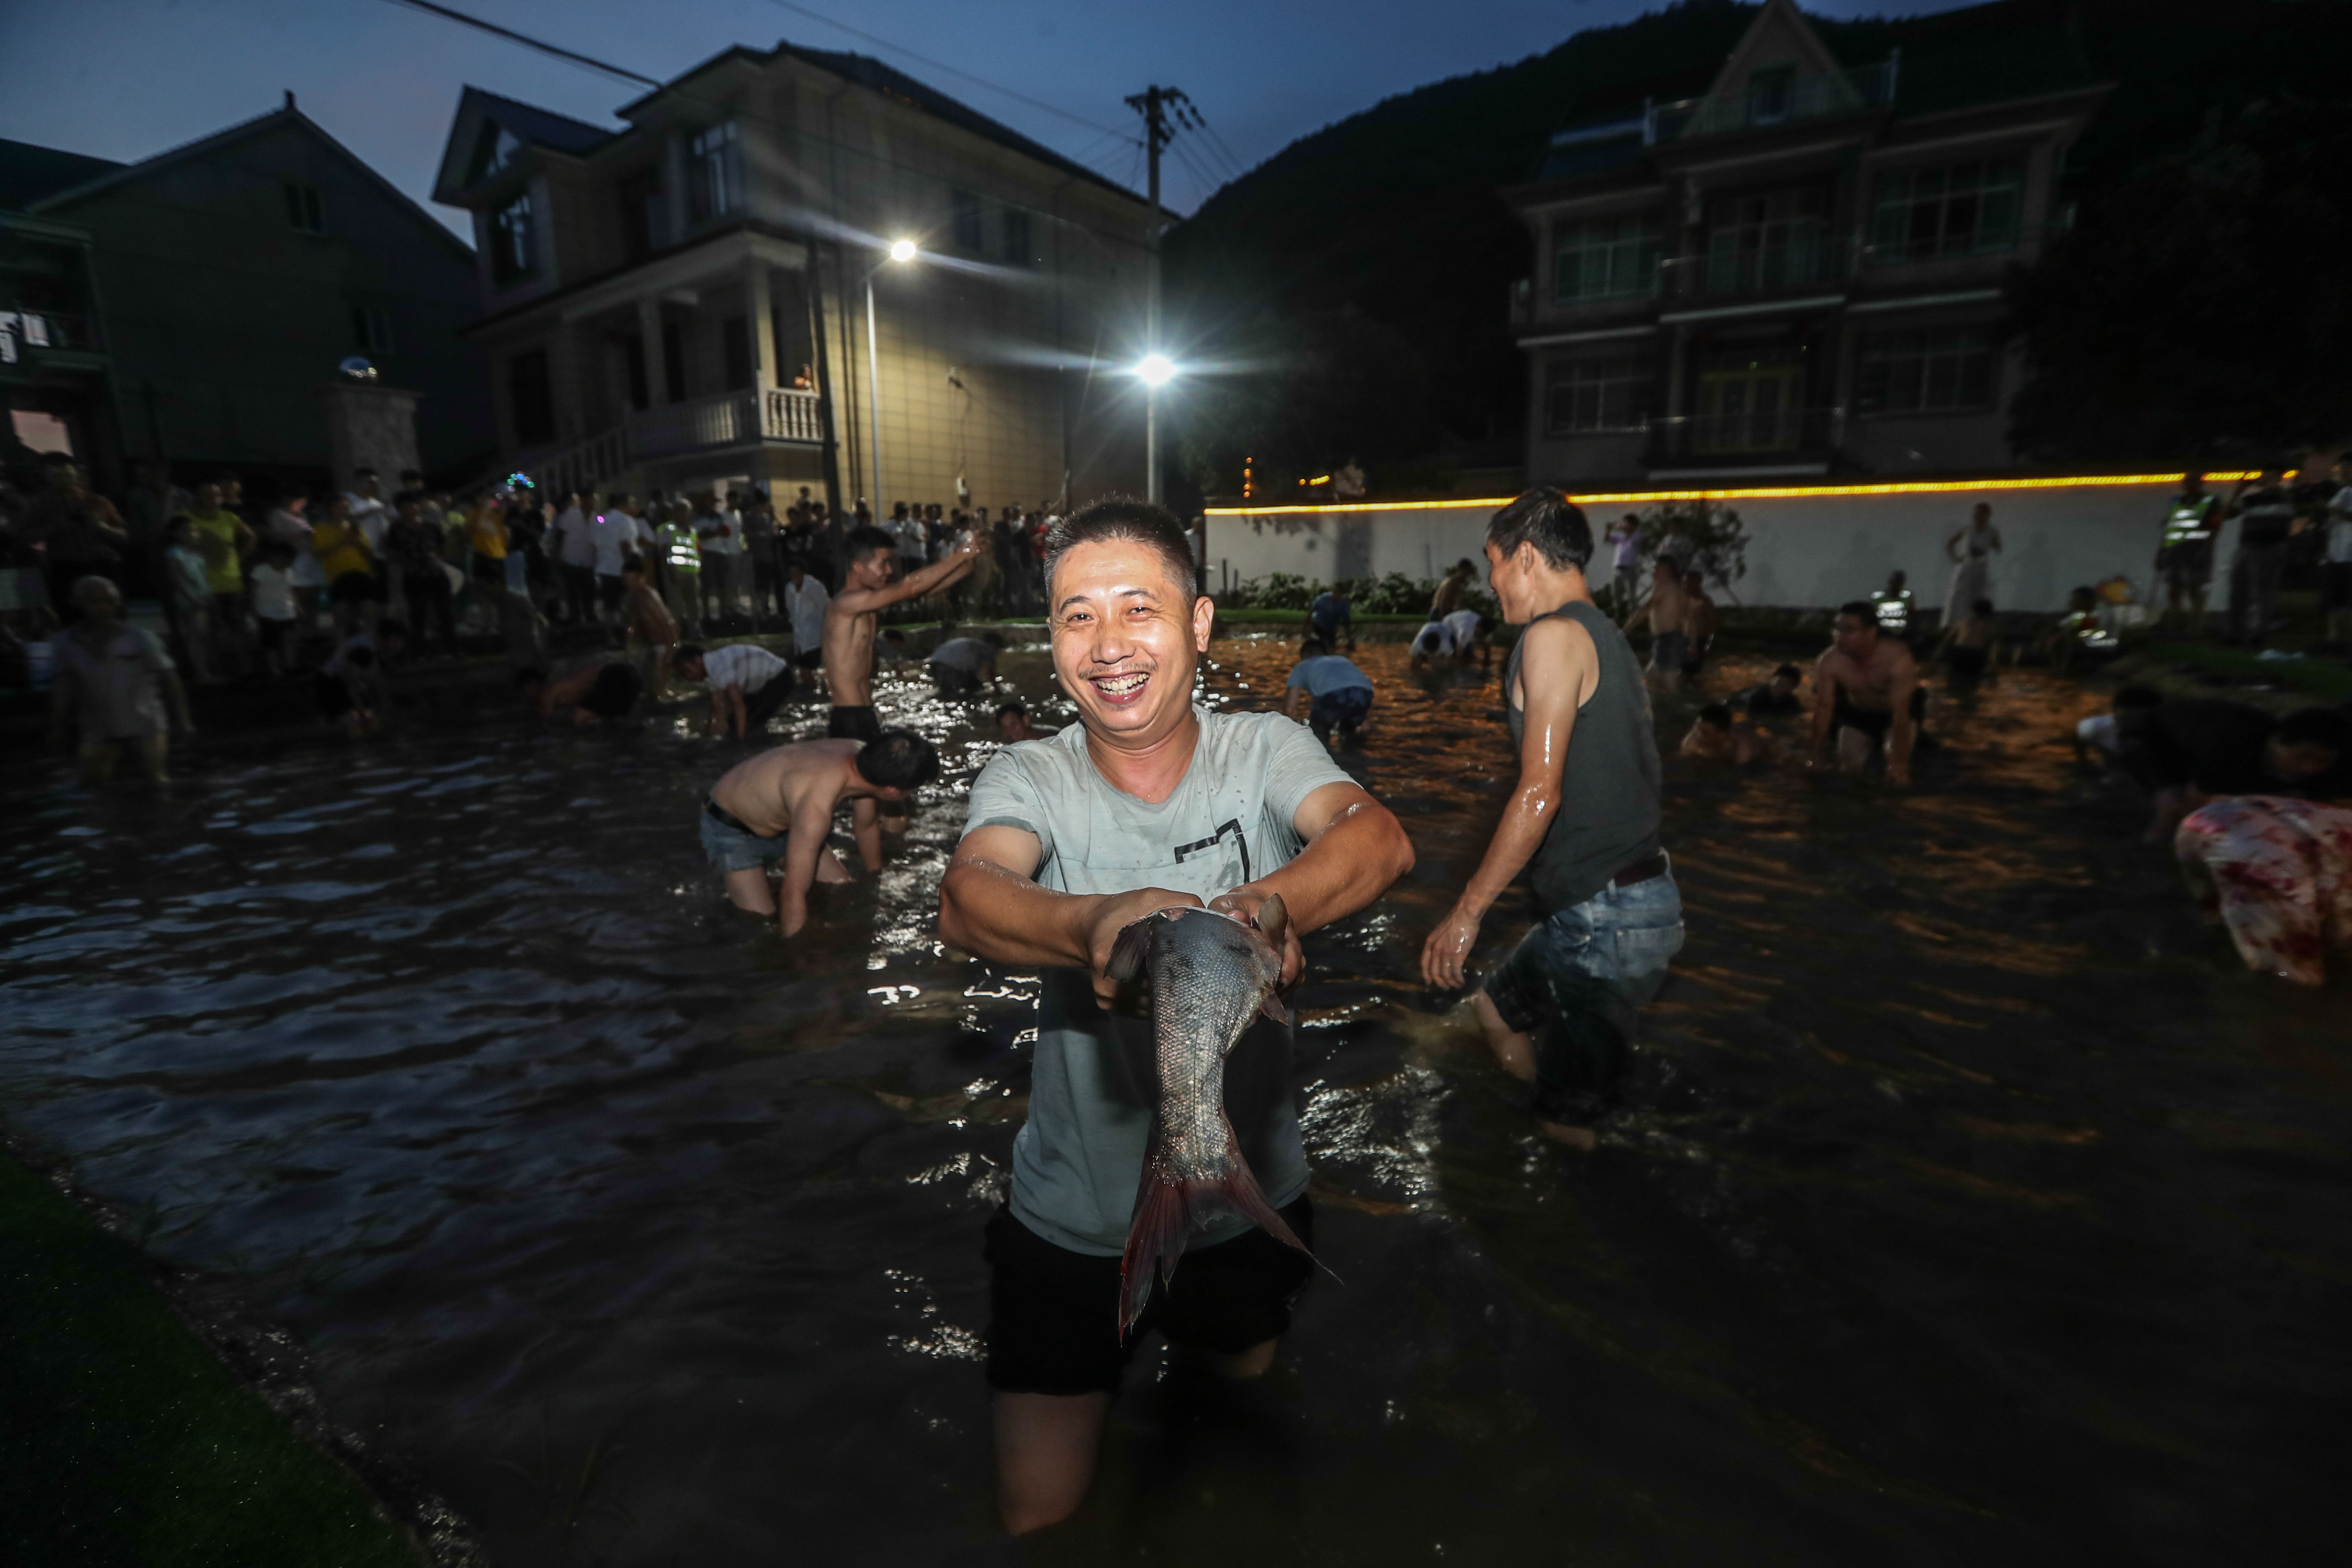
(1019,250)
(513,247)
(1951,209)
(371,329)
(1769,94)
(304,210)
(964,227)
(1605,258)
(1769,240)
(714,161)
(1593,396)
(640,213)
(1932,371)
(735,351)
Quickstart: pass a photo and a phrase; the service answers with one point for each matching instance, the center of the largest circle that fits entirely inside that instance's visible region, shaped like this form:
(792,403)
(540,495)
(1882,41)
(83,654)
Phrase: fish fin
(1155,1237)
(1130,950)
(1273,1008)
(1274,918)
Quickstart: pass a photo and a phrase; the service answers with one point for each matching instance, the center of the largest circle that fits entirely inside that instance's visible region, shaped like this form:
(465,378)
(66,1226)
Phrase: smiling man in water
(1148,802)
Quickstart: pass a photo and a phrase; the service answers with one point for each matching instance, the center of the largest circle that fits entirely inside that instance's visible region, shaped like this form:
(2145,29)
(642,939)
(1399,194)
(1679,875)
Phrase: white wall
(1803,551)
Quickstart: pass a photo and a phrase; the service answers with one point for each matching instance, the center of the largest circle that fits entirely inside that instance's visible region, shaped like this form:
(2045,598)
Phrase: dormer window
(495,151)
(1771,94)
(514,254)
(714,165)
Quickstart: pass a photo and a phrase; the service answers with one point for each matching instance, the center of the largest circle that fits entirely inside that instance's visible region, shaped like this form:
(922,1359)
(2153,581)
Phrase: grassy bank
(122,1437)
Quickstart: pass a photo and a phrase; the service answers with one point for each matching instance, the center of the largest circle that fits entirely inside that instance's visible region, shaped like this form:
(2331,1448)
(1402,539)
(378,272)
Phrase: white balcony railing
(730,419)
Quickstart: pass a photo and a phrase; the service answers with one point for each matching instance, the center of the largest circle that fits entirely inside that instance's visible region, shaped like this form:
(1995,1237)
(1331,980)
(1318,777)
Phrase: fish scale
(1209,974)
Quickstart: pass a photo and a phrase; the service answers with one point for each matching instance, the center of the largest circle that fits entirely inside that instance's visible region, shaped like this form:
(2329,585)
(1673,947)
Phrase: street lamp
(901,250)
(1155,371)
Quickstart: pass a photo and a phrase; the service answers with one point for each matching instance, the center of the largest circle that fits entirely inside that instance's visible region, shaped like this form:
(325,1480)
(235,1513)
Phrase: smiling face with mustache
(1128,636)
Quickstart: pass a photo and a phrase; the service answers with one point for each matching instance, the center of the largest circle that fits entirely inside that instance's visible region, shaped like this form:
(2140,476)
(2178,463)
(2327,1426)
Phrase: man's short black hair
(1124,517)
(687,653)
(1790,670)
(864,541)
(2326,727)
(1863,610)
(1718,715)
(1545,518)
(615,692)
(899,759)
(1015,706)
(636,563)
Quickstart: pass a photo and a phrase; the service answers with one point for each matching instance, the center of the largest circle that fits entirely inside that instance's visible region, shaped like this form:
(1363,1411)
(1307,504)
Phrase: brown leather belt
(1641,871)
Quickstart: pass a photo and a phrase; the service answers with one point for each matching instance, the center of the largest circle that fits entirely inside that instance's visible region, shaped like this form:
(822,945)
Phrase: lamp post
(901,250)
(1155,371)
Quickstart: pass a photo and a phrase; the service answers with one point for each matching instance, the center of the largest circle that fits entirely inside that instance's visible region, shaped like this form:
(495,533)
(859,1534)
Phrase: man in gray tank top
(1583,823)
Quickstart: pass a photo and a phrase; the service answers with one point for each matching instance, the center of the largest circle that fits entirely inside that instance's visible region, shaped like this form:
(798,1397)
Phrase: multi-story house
(1798,271)
(236,273)
(707,296)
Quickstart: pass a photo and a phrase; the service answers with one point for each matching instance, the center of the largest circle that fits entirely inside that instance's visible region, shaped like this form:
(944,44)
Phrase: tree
(1298,395)
(2203,306)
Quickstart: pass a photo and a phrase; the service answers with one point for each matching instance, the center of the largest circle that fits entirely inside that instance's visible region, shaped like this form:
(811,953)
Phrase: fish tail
(1166,1211)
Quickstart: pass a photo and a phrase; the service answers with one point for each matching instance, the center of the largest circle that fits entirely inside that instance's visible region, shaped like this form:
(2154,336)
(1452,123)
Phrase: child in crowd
(188,598)
(273,602)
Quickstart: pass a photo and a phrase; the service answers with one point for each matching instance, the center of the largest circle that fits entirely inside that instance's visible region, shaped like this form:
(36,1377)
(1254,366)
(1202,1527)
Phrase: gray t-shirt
(1077,1163)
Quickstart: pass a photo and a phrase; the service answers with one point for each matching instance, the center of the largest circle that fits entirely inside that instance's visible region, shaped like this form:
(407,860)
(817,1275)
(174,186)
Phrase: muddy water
(1972,1207)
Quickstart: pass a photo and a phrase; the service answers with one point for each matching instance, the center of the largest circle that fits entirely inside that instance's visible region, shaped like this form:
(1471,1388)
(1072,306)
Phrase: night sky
(126,79)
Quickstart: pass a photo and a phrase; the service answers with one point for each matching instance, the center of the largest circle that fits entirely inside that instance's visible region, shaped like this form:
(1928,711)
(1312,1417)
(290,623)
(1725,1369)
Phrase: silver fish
(1209,974)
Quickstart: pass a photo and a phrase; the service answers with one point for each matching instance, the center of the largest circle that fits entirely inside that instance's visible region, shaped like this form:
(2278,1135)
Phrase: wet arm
(866,829)
(804,843)
(1355,848)
(1825,686)
(913,585)
(991,907)
(1557,666)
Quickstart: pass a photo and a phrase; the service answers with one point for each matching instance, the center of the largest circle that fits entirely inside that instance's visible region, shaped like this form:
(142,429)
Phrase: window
(1955,209)
(1605,258)
(641,214)
(714,162)
(1018,249)
(513,247)
(493,151)
(1769,240)
(1928,372)
(1772,92)
(1593,396)
(303,208)
(371,329)
(532,398)
(965,230)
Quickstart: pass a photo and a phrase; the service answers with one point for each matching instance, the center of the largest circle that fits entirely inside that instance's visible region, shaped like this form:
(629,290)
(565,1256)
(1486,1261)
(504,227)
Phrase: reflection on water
(1975,1207)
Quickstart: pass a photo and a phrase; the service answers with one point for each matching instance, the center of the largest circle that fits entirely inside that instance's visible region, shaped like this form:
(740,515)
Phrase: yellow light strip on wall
(1775,492)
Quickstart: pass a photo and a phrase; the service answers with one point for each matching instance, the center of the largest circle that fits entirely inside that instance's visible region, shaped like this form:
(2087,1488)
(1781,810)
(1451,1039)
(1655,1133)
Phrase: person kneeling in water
(1865,689)
(779,806)
(1716,736)
(595,691)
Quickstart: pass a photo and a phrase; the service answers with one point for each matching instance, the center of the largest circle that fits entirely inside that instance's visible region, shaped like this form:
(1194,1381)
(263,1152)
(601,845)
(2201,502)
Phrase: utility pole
(1165,111)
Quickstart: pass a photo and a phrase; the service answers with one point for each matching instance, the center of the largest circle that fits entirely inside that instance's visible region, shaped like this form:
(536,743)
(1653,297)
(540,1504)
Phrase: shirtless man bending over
(1863,690)
(1668,613)
(779,806)
(869,585)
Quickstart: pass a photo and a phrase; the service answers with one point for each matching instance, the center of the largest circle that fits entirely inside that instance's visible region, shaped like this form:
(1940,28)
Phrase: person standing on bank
(1560,1012)
(2184,557)
(1970,550)
(1149,802)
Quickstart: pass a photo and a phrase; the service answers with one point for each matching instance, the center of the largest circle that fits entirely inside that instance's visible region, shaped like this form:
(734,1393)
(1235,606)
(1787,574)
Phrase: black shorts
(356,588)
(858,723)
(1052,1314)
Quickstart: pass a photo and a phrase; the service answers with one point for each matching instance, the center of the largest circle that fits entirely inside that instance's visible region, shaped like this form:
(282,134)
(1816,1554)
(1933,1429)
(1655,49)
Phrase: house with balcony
(1792,266)
(705,296)
(56,378)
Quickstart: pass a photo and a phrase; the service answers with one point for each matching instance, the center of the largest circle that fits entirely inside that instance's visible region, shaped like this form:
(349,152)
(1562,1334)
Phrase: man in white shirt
(719,532)
(573,545)
(747,684)
(369,510)
(614,535)
(804,601)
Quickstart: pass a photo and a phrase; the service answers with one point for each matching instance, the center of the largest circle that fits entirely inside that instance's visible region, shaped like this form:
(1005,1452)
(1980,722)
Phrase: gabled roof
(543,127)
(891,82)
(277,119)
(28,172)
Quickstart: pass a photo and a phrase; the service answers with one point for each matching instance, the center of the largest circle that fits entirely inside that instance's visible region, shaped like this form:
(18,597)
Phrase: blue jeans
(1344,710)
(1576,983)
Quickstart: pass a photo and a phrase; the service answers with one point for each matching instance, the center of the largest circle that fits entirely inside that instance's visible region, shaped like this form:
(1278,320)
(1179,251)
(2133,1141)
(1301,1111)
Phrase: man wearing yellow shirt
(342,547)
(222,537)
(486,530)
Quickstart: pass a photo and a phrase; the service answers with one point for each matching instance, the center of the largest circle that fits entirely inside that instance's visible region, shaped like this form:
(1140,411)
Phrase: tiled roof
(28,172)
(544,127)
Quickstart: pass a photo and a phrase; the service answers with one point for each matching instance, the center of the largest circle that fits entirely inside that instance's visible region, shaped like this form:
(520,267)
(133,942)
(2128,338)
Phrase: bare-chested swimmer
(779,806)
(1862,691)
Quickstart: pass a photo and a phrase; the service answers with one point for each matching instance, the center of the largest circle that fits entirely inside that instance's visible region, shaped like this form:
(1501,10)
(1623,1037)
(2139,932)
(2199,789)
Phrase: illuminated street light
(901,250)
(1157,370)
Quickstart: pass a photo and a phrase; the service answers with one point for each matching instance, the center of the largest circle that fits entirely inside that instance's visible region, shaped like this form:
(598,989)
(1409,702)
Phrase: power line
(527,41)
(882,43)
